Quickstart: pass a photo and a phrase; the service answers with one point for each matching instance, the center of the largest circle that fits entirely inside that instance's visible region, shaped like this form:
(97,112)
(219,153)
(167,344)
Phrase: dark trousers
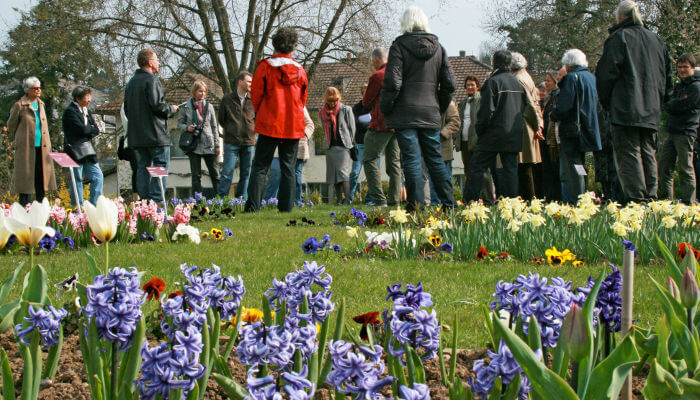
(488,191)
(526,181)
(569,157)
(678,149)
(264,152)
(635,157)
(149,187)
(39,193)
(480,162)
(547,182)
(196,169)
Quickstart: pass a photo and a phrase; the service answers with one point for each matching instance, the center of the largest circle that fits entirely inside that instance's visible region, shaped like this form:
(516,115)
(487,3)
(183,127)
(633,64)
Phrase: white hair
(29,83)
(629,9)
(517,61)
(414,19)
(574,58)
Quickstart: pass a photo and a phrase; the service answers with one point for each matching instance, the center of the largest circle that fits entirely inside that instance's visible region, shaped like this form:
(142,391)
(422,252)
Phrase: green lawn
(263,248)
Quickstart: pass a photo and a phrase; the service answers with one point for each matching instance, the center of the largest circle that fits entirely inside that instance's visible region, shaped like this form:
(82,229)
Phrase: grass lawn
(263,247)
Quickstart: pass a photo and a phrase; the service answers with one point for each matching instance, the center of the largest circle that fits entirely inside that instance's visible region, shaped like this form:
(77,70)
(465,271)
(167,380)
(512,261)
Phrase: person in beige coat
(531,134)
(28,129)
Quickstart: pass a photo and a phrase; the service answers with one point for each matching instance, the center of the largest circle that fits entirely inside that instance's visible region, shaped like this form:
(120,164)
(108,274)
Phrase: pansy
(482,253)
(366,320)
(556,257)
(684,248)
(435,240)
(154,288)
(446,248)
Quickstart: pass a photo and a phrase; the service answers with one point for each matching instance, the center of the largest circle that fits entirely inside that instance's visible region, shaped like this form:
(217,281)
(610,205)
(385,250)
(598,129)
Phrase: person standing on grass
(417,89)
(279,92)
(448,132)
(499,127)
(362,120)
(634,79)
(237,118)
(682,124)
(79,128)
(339,127)
(380,139)
(148,133)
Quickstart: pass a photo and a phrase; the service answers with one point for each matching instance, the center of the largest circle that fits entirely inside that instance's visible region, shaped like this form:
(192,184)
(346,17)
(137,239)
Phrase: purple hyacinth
(46,321)
(357,372)
(299,285)
(419,329)
(296,386)
(502,365)
(608,304)
(167,367)
(114,304)
(261,345)
(413,296)
(206,287)
(419,391)
(629,246)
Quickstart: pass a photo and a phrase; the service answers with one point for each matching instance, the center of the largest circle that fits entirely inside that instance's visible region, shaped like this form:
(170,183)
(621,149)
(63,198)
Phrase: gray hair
(80,91)
(380,54)
(629,9)
(574,58)
(541,85)
(29,82)
(517,61)
(413,20)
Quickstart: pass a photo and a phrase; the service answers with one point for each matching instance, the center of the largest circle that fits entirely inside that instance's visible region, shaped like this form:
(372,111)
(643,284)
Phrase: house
(348,76)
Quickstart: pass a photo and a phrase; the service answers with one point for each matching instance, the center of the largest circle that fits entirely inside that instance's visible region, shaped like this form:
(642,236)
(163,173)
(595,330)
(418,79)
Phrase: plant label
(155,172)
(63,160)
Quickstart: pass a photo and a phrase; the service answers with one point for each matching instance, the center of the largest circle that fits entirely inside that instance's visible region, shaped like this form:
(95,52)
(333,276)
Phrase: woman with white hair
(634,77)
(28,129)
(576,110)
(532,134)
(417,89)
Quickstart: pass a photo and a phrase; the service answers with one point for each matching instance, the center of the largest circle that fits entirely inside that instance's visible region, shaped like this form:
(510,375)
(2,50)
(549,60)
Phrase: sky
(457,23)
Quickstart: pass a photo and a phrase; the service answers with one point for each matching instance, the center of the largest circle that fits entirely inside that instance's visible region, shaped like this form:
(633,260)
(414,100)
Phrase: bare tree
(230,35)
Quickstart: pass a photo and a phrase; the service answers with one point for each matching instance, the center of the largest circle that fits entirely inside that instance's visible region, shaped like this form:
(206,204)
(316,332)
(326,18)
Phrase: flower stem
(106,258)
(31,258)
(574,375)
(115,371)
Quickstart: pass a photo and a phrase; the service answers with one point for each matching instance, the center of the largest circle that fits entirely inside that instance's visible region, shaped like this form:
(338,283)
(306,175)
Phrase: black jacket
(418,83)
(684,106)
(360,127)
(75,131)
(634,76)
(147,111)
(499,121)
(578,83)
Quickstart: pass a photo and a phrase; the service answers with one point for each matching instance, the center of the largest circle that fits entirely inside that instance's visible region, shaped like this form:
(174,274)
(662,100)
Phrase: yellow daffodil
(103,218)
(399,216)
(30,227)
(619,229)
(352,231)
(668,222)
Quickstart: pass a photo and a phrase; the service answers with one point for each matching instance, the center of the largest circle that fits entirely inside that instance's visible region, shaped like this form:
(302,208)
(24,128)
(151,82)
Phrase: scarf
(329,117)
(198,108)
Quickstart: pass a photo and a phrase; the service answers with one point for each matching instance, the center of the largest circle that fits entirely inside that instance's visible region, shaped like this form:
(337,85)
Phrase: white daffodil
(103,218)
(399,216)
(5,232)
(30,227)
(189,231)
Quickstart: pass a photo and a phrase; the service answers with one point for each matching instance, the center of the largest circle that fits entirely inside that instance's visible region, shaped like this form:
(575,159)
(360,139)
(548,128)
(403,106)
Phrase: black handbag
(188,140)
(354,153)
(121,149)
(80,150)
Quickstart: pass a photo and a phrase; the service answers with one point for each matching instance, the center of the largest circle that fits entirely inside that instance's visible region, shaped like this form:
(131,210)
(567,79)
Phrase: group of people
(516,138)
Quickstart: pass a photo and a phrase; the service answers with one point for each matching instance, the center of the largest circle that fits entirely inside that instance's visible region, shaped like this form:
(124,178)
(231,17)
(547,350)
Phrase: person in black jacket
(576,110)
(499,128)
(79,127)
(634,78)
(682,124)
(148,113)
(418,86)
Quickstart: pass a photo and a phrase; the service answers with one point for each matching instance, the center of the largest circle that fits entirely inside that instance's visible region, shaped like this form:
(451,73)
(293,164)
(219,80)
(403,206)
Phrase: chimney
(462,53)
(349,56)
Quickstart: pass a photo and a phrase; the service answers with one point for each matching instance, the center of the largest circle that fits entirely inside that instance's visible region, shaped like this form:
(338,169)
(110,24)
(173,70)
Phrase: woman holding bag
(197,116)
(339,126)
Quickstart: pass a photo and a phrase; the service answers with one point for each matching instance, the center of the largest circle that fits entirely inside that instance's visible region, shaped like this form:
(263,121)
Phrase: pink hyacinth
(181,214)
(57,213)
(132,224)
(121,210)
(78,221)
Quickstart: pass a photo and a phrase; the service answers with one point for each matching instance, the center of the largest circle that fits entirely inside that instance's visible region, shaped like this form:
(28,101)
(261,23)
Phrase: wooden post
(627,301)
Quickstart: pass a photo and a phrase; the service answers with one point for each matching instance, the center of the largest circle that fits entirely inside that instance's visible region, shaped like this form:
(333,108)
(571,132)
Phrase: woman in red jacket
(279,94)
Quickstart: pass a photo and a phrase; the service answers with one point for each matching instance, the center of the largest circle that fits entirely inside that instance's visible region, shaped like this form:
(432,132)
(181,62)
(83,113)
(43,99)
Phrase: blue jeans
(273,182)
(231,153)
(93,176)
(434,200)
(355,171)
(149,188)
(415,143)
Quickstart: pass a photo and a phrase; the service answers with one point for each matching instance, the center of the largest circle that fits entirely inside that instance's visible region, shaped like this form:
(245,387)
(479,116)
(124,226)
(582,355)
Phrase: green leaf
(410,366)
(534,337)
(53,356)
(661,384)
(8,312)
(232,388)
(337,334)
(34,288)
(92,266)
(206,348)
(8,383)
(194,393)
(7,285)
(28,376)
(441,362)
(35,350)
(544,382)
(671,265)
(690,263)
(453,359)
(513,388)
(586,364)
(267,313)
(608,377)
(131,364)
(418,365)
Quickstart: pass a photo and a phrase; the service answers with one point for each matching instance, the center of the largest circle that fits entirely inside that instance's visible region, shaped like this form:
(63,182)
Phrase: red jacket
(279,95)
(371,99)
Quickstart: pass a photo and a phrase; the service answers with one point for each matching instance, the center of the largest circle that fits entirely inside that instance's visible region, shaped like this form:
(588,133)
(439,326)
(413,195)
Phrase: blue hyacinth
(263,345)
(502,365)
(296,386)
(46,321)
(114,304)
(419,391)
(356,371)
(300,285)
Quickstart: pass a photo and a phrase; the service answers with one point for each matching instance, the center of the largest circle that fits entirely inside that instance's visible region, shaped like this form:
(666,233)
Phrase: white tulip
(30,227)
(103,218)
(5,232)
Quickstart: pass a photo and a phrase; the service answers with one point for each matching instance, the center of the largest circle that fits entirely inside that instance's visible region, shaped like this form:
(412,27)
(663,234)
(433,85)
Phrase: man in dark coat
(148,133)
(417,89)
(682,124)
(79,128)
(499,127)
(634,78)
(576,110)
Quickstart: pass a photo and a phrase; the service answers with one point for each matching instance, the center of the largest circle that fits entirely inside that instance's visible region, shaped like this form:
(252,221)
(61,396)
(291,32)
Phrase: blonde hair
(332,93)
(629,9)
(197,85)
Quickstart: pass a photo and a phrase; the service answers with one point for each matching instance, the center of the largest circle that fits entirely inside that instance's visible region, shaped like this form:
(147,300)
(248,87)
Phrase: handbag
(188,140)
(354,152)
(80,150)
(121,149)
